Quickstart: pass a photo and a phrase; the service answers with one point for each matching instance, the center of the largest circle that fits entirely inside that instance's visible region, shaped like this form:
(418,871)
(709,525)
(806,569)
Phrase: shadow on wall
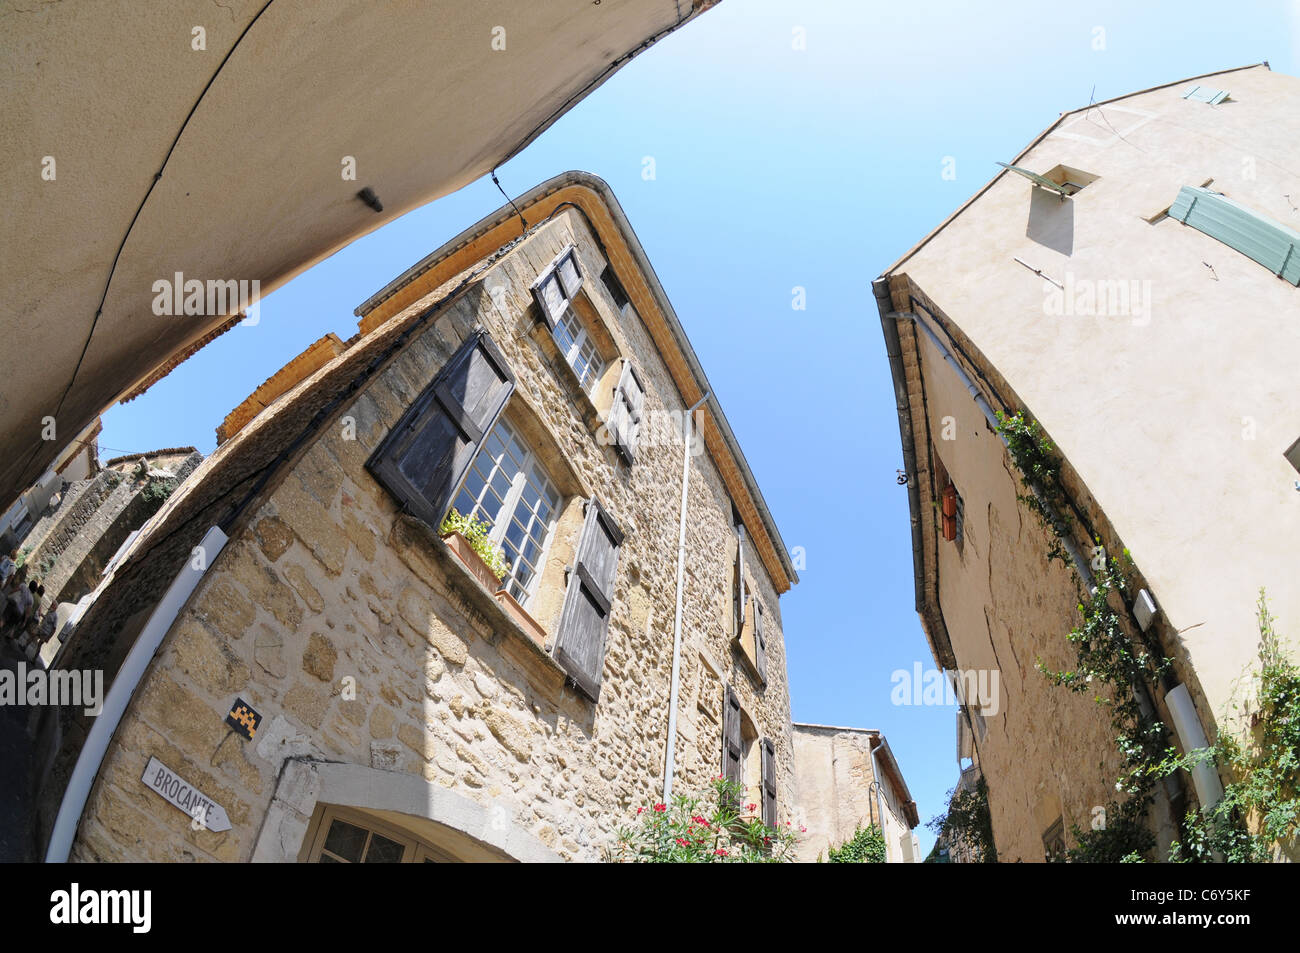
(1051,221)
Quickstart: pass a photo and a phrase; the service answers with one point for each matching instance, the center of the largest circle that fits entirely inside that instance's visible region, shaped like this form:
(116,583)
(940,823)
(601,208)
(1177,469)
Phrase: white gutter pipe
(1192,736)
(669,762)
(119,696)
(880,804)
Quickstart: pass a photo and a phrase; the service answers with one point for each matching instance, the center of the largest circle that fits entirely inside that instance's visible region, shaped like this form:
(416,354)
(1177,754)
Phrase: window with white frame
(578,349)
(554,291)
(508,488)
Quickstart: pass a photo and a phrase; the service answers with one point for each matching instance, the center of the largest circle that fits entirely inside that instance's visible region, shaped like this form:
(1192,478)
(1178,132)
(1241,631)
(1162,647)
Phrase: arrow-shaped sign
(178,792)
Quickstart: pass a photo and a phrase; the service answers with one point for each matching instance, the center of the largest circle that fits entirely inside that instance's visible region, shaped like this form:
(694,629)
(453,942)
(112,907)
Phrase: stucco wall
(835,795)
(328,581)
(1171,413)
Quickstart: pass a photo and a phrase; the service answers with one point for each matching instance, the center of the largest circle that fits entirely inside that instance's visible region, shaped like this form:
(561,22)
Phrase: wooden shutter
(557,285)
(740,578)
(625,422)
(769,783)
(760,644)
(584,621)
(425,456)
(733,765)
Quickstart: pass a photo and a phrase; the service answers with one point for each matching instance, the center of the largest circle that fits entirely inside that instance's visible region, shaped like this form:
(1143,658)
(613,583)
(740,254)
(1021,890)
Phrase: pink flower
(640,809)
(682,842)
(751,807)
(802,829)
(720,852)
(660,808)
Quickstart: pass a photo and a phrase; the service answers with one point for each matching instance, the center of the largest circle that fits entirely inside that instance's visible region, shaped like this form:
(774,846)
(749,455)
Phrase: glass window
(508,488)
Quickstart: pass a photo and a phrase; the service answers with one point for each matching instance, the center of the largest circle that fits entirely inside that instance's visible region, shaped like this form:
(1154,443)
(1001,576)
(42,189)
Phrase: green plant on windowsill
(476,532)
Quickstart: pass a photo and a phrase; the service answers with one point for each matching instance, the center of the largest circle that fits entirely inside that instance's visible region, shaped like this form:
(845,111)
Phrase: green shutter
(1204,94)
(1035,178)
(1259,238)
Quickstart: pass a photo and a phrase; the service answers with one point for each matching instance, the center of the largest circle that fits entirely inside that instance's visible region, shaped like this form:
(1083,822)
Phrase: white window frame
(510,504)
(583,347)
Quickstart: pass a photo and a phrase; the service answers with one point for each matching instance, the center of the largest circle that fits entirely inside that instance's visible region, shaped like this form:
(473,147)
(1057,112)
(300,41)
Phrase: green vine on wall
(967,825)
(866,846)
(1264,767)
(1264,790)
(1110,666)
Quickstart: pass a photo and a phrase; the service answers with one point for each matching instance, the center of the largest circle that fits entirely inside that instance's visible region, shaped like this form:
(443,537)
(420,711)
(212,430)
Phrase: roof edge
(601,189)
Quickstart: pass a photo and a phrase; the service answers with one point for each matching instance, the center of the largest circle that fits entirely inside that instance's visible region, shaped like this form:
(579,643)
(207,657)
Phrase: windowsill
(412,539)
(747,663)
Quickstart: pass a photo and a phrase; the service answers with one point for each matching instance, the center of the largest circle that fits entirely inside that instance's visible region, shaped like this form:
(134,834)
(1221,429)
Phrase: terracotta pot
(459,545)
(529,624)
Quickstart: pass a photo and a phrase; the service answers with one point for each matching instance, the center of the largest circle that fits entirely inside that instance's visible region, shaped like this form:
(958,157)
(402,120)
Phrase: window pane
(346,840)
(528,524)
(383,851)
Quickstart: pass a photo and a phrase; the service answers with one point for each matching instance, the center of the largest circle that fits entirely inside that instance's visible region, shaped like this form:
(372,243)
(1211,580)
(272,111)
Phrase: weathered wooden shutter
(740,577)
(733,764)
(615,288)
(557,285)
(760,643)
(629,401)
(769,783)
(584,621)
(426,455)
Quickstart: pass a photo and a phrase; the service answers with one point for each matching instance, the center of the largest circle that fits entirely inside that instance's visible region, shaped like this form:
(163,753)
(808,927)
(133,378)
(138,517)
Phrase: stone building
(297,590)
(848,779)
(1128,282)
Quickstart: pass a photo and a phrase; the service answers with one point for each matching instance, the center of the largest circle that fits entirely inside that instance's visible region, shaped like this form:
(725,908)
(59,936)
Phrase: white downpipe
(880,804)
(119,695)
(1192,736)
(669,756)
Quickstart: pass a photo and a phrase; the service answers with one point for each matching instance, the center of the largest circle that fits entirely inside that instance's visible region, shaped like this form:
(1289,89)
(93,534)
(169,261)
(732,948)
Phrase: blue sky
(775,168)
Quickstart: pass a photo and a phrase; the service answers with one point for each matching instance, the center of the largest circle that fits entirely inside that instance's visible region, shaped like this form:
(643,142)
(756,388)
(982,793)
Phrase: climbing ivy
(1109,665)
(967,825)
(1264,767)
(866,846)
(1260,808)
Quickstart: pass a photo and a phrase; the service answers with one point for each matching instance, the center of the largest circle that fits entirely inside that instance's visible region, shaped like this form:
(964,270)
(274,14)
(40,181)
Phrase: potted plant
(468,539)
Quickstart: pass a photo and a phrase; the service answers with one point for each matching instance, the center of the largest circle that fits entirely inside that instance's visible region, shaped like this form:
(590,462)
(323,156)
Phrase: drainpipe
(669,763)
(119,695)
(880,804)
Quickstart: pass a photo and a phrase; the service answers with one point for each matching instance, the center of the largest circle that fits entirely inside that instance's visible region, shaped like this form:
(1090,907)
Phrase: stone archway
(305,783)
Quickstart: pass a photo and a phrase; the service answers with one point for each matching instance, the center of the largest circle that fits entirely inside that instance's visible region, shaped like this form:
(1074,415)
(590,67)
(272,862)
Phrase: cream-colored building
(1087,288)
(848,779)
(401,705)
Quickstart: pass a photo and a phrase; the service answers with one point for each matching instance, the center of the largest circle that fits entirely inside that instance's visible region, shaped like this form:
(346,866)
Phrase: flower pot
(518,613)
(459,545)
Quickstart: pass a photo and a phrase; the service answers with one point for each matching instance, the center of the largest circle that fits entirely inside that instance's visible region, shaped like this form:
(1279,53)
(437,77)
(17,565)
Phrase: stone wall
(327,587)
